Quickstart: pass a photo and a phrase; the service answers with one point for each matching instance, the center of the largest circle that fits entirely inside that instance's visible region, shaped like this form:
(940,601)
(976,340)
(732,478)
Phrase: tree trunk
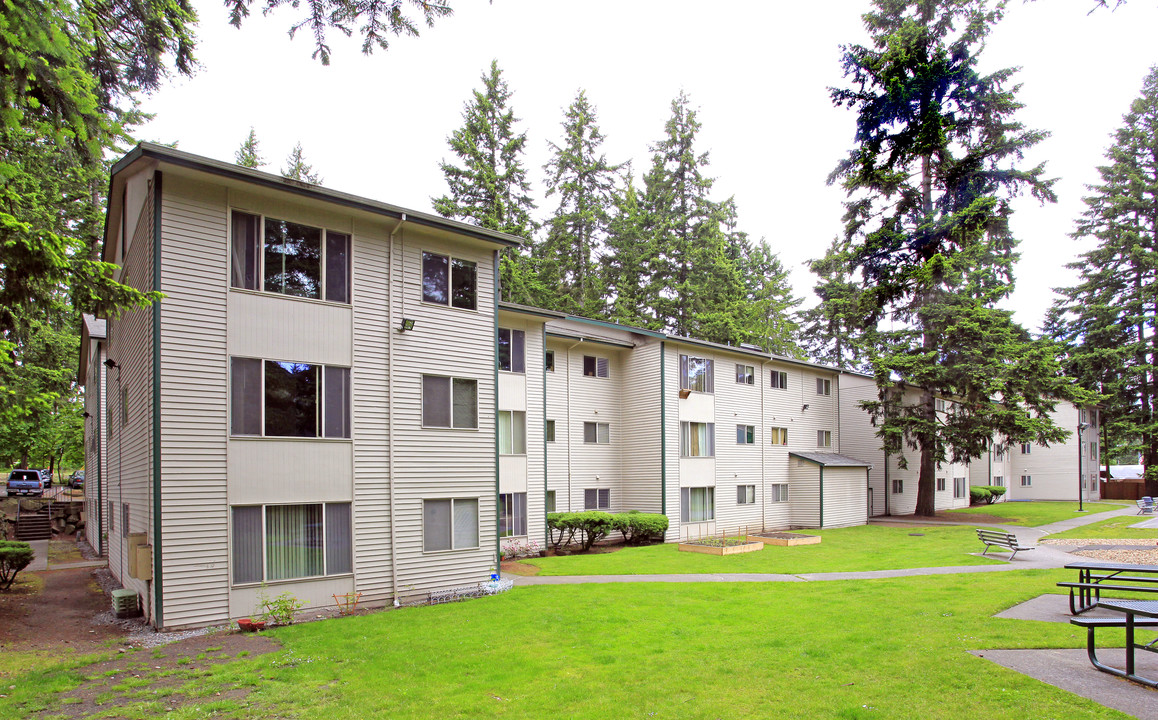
(927,479)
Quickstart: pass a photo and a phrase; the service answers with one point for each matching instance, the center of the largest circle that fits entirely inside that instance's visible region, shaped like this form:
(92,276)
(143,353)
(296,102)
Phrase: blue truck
(25,482)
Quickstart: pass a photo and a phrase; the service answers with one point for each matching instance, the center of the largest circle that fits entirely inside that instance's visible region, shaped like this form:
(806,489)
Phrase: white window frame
(549,431)
(999,481)
(745,494)
(477,524)
(322,258)
(602,498)
(778,493)
(709,503)
(823,387)
(517,360)
(449,280)
(686,440)
(1027,481)
(823,438)
(745,374)
(745,434)
(549,361)
(450,400)
(602,433)
(322,409)
(779,379)
(602,367)
(513,417)
(960,489)
(706,378)
(940,404)
(898,486)
(781,434)
(941,484)
(514,503)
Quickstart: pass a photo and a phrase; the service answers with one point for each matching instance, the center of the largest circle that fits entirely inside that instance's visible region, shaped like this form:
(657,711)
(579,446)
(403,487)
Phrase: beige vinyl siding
(557,391)
(845,496)
(671,375)
(96,488)
(597,400)
(370,380)
(804,493)
(433,463)
(640,437)
(524,392)
(130,445)
(194,403)
(858,437)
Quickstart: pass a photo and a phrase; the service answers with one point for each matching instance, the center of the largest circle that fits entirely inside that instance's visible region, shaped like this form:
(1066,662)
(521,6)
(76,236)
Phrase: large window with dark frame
(597,499)
(449,524)
(779,379)
(512,350)
(594,366)
(285,542)
(449,402)
(289,258)
(512,514)
(449,281)
(273,398)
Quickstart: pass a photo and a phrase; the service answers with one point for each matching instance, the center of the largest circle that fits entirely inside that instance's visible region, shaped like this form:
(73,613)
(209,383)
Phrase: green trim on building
(158,585)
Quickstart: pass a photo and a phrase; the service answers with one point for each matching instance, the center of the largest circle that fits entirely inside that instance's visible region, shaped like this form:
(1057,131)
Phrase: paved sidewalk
(1042,557)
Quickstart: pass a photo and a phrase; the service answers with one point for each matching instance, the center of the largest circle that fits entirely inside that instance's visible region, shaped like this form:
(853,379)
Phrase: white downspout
(390,405)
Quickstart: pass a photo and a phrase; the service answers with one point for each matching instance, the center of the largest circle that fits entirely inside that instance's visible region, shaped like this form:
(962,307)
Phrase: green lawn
(1035,513)
(895,648)
(1118,527)
(868,547)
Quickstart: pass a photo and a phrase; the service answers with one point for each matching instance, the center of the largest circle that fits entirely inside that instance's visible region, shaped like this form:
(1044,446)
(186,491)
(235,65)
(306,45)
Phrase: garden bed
(721,546)
(785,538)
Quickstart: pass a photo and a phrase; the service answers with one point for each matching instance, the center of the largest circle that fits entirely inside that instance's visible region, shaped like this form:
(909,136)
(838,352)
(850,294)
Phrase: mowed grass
(1037,512)
(867,547)
(895,648)
(1113,528)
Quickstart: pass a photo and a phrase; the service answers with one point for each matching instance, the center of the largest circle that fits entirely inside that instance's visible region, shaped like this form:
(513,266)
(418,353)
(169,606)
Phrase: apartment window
(112,516)
(1026,480)
(823,387)
(940,484)
(1026,448)
(512,350)
(779,379)
(549,360)
(823,438)
(779,492)
(449,402)
(998,481)
(549,430)
(596,433)
(745,434)
(512,514)
(288,399)
(449,281)
(898,486)
(596,366)
(779,435)
(940,404)
(745,494)
(1083,415)
(596,499)
(696,374)
(450,524)
(512,432)
(745,374)
(124,520)
(697,504)
(550,501)
(959,490)
(697,439)
(283,542)
(289,258)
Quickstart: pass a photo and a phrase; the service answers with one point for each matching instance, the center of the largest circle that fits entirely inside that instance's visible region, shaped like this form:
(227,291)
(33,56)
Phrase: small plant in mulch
(718,541)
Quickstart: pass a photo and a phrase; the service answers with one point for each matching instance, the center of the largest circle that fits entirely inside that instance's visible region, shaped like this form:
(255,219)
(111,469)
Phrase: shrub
(979,494)
(594,524)
(279,610)
(639,527)
(997,491)
(14,557)
(561,529)
(515,549)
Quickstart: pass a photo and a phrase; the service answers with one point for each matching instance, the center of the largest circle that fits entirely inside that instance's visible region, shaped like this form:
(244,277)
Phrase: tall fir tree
(298,169)
(490,187)
(249,154)
(927,222)
(829,330)
(768,313)
(584,181)
(1110,318)
(624,264)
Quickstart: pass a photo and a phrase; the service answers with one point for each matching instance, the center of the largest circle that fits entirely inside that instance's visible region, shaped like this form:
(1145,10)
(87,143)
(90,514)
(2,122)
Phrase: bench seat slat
(1113,622)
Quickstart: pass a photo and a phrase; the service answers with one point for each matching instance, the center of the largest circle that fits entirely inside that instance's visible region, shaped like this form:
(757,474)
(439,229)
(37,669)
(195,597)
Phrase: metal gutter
(528,310)
(662,428)
(158,583)
(616,326)
(546,530)
(595,341)
(495,344)
(390,398)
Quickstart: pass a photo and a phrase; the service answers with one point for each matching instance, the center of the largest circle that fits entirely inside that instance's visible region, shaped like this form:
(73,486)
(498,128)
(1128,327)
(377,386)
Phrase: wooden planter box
(732,550)
(787,539)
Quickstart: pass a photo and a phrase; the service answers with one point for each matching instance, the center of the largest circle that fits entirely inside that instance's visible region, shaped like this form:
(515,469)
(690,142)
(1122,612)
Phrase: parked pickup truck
(25,482)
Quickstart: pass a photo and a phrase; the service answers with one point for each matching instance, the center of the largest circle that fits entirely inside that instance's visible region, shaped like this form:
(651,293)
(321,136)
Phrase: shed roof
(826,459)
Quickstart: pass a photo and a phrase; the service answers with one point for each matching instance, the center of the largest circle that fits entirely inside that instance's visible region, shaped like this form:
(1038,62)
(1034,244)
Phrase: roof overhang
(830,459)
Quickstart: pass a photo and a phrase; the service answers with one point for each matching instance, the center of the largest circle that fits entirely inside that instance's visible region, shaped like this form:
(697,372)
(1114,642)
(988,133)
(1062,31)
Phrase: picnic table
(1139,613)
(1094,577)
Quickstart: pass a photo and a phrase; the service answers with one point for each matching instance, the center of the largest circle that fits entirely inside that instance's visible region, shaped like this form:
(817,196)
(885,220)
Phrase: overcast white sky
(758,72)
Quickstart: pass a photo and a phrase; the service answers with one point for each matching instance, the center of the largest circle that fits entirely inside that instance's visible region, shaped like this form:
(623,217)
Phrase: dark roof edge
(528,310)
(180,158)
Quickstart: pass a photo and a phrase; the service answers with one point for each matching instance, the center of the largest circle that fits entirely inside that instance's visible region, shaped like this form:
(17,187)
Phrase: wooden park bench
(1094,577)
(1000,539)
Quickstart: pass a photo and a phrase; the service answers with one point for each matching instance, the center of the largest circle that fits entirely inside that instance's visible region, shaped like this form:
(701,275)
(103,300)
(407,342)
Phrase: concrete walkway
(1042,557)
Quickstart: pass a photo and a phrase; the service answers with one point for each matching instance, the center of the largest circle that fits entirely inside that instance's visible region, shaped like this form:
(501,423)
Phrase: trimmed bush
(591,526)
(639,527)
(979,494)
(997,491)
(561,529)
(14,557)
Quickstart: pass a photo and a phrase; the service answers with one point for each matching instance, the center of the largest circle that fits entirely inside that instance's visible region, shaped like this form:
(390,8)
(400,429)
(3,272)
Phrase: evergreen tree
(628,249)
(1110,318)
(248,155)
(298,169)
(768,316)
(584,181)
(490,188)
(830,329)
(927,224)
